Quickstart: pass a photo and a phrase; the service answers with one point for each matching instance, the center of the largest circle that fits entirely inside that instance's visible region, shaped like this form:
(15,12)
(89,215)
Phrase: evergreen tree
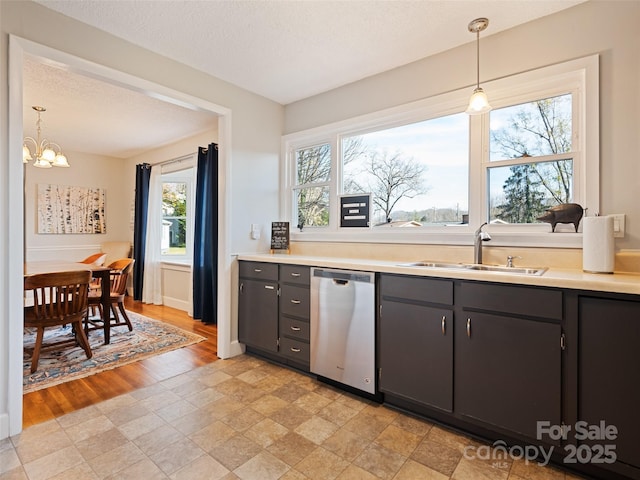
(523,197)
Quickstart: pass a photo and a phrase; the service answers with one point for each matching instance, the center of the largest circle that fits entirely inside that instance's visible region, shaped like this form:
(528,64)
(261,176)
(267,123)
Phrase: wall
(253,127)
(596,27)
(86,171)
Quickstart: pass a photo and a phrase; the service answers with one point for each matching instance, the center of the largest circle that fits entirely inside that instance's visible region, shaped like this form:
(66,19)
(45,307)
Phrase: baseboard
(176,303)
(235,348)
(4,426)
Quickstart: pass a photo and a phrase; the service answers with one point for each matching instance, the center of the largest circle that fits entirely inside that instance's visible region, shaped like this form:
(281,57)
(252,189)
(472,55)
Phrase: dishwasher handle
(343,277)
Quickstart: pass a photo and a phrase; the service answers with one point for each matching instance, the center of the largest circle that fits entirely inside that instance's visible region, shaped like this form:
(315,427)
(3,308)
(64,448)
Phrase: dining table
(100,272)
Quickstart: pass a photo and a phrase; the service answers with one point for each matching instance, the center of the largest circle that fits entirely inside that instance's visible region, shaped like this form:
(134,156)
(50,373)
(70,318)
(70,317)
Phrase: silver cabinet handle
(242,288)
(257,270)
(295,350)
(295,329)
(469,327)
(295,274)
(444,323)
(269,287)
(295,302)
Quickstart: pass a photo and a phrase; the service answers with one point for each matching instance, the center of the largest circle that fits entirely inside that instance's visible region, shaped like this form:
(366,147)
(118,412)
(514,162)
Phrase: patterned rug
(149,337)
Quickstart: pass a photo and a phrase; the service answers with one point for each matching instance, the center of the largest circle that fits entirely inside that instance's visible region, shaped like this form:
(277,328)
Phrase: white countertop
(553,277)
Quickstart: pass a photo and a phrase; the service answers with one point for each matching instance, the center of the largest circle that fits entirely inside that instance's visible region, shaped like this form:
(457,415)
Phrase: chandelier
(46,153)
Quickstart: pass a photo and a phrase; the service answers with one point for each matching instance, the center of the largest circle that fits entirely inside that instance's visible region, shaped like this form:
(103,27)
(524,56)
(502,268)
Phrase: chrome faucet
(510,260)
(478,238)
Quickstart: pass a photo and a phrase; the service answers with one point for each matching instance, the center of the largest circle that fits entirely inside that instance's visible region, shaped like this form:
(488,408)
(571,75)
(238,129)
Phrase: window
(530,159)
(313,174)
(177,207)
(429,166)
(417,174)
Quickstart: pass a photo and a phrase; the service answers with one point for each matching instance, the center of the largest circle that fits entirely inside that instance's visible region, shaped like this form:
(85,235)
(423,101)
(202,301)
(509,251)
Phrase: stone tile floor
(247,419)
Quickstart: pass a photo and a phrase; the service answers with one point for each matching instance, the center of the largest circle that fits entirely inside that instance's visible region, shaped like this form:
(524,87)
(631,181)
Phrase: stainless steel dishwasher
(342,337)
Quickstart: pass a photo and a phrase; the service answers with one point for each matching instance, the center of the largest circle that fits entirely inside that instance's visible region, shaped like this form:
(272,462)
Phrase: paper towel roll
(598,251)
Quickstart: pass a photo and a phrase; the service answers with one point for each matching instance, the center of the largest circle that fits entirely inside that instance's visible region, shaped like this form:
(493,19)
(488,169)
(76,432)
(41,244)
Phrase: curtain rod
(174,160)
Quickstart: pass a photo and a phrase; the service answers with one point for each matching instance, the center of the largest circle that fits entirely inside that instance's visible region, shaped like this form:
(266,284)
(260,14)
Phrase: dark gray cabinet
(608,366)
(416,340)
(294,314)
(490,358)
(258,305)
(508,356)
(273,311)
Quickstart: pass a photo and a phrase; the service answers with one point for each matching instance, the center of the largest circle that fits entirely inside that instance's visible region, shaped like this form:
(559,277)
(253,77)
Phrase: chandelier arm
(31,139)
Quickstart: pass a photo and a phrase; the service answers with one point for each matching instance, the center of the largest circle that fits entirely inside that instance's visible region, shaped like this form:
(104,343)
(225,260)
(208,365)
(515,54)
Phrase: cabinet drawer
(259,270)
(298,274)
(295,350)
(294,328)
(294,301)
(512,299)
(417,288)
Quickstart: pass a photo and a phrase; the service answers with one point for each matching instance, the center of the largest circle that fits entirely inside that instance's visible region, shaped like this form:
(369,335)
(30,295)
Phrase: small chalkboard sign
(279,236)
(354,210)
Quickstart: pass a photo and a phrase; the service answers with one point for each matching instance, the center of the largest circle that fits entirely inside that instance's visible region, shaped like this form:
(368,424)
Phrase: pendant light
(44,153)
(478,103)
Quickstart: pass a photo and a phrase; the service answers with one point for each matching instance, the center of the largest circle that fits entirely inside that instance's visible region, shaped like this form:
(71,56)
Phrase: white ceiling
(284,50)
(91,116)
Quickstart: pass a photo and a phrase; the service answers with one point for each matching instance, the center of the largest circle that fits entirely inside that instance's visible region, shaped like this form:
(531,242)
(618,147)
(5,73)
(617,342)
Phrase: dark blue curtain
(205,248)
(143,174)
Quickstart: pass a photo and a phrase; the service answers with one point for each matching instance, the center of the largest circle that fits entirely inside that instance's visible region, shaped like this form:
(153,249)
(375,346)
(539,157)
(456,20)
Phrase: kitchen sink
(429,264)
(517,270)
(479,267)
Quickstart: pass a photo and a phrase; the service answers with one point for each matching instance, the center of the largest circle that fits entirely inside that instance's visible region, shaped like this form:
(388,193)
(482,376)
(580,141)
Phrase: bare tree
(389,178)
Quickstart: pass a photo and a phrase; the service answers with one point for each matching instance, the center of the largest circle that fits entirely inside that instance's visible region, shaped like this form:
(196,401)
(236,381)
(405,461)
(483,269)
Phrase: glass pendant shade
(41,163)
(478,103)
(48,154)
(60,161)
(26,154)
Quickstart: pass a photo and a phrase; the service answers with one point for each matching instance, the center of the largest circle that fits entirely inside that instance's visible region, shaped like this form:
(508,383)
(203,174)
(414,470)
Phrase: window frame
(301,186)
(579,77)
(182,173)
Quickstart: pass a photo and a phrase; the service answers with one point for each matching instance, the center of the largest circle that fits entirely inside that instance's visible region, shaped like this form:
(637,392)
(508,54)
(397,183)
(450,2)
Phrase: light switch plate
(618,225)
(255,231)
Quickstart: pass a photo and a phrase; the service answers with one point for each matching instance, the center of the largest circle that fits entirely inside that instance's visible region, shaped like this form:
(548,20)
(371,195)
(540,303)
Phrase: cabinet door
(258,314)
(609,361)
(416,353)
(508,371)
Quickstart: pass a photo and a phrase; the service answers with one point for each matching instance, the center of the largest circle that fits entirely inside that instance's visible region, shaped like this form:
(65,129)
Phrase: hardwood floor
(48,403)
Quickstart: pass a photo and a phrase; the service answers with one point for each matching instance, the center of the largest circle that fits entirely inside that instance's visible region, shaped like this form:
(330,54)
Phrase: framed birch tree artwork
(65,209)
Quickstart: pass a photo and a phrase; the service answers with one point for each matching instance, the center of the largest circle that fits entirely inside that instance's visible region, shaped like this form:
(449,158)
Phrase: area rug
(149,337)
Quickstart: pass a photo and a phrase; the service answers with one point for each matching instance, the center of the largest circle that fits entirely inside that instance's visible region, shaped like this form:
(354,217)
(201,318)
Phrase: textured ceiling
(288,50)
(283,50)
(91,116)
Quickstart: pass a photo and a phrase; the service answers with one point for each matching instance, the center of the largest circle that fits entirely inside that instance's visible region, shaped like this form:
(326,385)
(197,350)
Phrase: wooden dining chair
(98,260)
(95,259)
(58,299)
(119,274)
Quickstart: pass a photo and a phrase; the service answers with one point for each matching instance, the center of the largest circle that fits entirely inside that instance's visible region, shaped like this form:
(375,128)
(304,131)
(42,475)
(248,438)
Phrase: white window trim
(582,75)
(177,173)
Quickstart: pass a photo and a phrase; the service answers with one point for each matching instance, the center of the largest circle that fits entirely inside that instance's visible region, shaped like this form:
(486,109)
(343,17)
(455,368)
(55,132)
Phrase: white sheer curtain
(152,287)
